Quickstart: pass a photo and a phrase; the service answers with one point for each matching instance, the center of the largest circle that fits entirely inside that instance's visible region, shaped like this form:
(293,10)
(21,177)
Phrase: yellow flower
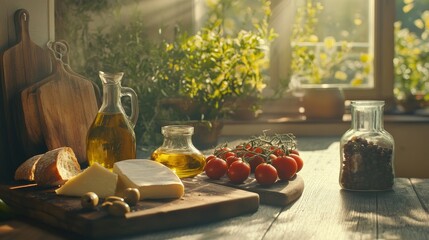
(313,38)
(357,21)
(416,51)
(364,57)
(323,56)
(408,7)
(356,81)
(340,75)
(329,42)
(419,23)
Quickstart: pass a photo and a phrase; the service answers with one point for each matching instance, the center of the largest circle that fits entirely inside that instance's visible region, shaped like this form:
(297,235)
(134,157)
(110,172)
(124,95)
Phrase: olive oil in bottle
(110,140)
(111,136)
(178,153)
(183,164)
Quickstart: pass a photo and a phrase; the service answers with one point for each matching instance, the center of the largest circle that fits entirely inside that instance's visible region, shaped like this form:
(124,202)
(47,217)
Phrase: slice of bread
(26,170)
(56,167)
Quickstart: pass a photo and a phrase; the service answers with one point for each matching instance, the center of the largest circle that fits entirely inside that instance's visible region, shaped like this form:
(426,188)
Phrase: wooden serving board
(21,65)
(203,202)
(67,106)
(280,193)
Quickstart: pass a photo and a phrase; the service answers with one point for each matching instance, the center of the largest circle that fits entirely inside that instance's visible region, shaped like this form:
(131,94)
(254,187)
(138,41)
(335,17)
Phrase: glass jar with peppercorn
(367,150)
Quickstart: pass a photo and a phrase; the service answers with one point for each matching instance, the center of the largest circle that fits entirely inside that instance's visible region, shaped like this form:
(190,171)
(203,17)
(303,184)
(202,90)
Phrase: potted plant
(411,64)
(218,66)
(191,77)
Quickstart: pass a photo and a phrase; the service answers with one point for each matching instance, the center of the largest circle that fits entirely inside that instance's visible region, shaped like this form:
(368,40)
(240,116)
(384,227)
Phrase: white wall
(41,30)
(41,25)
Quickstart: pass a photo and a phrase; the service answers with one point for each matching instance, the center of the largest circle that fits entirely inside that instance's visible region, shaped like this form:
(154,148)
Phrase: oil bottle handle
(129,92)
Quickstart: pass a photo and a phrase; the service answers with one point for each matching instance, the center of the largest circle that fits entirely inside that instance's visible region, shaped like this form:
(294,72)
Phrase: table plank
(324,211)
(400,214)
(421,186)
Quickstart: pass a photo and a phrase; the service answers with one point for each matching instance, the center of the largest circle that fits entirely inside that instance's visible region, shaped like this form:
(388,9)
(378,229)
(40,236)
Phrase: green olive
(106,205)
(113,198)
(132,196)
(89,200)
(118,208)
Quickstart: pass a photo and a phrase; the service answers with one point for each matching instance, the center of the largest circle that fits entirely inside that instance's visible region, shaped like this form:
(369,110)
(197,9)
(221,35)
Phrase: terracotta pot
(411,103)
(323,103)
(243,108)
(206,133)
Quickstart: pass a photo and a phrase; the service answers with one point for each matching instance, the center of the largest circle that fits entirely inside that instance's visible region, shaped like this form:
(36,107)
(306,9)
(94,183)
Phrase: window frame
(383,37)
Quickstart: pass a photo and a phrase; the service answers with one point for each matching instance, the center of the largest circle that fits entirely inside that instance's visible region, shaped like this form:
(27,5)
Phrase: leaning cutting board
(63,48)
(281,193)
(22,65)
(67,107)
(203,202)
(31,133)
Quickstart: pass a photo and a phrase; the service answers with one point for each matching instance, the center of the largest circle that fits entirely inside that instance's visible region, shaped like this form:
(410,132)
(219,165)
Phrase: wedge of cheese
(95,178)
(152,179)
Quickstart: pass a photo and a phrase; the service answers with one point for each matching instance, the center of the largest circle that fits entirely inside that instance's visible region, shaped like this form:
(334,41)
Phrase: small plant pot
(323,103)
(411,103)
(244,108)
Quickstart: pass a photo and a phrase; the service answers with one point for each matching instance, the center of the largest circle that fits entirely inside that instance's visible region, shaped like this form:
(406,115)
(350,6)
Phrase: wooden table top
(324,211)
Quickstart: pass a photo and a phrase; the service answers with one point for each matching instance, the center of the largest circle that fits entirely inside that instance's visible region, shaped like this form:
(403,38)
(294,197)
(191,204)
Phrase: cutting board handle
(22,19)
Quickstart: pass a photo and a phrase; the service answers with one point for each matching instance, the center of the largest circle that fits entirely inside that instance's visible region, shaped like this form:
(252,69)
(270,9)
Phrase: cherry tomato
(265,174)
(258,150)
(238,172)
(298,160)
(272,156)
(286,167)
(222,152)
(216,168)
(255,161)
(210,157)
(232,159)
(293,151)
(277,151)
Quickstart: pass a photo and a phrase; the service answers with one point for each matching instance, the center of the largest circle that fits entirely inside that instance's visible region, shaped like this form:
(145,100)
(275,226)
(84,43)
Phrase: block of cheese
(25,171)
(95,178)
(154,180)
(55,167)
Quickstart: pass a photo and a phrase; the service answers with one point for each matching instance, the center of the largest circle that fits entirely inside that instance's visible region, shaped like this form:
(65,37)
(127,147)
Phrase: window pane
(332,43)
(411,60)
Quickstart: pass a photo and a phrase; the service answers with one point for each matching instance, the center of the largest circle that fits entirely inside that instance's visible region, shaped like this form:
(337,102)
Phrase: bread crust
(26,170)
(55,167)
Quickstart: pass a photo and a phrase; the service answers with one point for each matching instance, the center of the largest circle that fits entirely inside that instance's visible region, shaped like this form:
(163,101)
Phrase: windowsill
(298,125)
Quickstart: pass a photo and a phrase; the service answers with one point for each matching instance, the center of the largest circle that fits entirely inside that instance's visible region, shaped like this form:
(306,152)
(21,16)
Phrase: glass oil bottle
(178,152)
(111,137)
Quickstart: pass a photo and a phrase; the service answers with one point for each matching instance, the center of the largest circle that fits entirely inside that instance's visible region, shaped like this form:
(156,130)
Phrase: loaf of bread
(26,170)
(56,167)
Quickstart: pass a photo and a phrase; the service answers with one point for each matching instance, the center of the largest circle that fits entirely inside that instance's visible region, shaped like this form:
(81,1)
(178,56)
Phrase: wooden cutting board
(22,65)
(67,106)
(281,193)
(31,133)
(203,202)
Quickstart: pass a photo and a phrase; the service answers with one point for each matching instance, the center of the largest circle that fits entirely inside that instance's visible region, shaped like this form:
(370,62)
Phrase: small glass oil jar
(178,152)
(367,150)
